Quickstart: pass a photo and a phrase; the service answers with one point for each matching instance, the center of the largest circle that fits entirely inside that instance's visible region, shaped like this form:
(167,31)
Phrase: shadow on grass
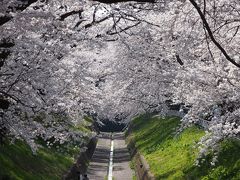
(151,133)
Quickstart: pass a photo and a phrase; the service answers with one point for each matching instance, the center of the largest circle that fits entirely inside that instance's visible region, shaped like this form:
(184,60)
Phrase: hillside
(17,160)
(172,156)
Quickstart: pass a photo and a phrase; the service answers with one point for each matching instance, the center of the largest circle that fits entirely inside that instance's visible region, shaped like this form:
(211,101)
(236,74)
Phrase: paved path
(121,159)
(98,168)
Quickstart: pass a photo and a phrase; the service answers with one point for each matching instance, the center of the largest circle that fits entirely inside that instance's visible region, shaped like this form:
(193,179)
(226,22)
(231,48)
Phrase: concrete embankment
(96,161)
(80,167)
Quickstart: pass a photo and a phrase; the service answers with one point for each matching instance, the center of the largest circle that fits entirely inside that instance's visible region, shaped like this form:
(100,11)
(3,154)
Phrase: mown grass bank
(173,157)
(18,162)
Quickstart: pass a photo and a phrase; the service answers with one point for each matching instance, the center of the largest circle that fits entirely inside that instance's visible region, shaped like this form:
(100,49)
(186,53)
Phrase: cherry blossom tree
(117,60)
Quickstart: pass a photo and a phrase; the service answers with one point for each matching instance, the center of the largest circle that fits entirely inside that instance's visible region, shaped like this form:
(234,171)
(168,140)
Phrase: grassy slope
(172,157)
(18,162)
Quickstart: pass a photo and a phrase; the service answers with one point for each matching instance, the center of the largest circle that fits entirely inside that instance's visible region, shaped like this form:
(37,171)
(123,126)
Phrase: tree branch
(206,25)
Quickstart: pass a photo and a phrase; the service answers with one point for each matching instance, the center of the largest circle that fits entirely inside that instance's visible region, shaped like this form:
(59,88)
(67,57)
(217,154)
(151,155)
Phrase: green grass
(132,166)
(228,166)
(85,125)
(173,157)
(18,162)
(134,177)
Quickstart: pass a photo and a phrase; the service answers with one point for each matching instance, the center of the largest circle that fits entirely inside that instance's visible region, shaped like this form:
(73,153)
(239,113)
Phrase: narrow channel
(110,159)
